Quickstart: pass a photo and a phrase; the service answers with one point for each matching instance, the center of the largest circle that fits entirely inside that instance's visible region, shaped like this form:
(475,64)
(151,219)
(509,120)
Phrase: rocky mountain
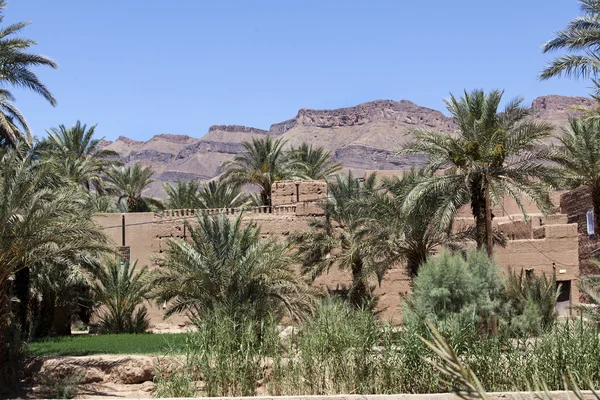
(363,137)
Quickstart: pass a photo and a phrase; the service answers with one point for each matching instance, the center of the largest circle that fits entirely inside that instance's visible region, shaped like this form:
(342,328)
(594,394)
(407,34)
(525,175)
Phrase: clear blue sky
(143,67)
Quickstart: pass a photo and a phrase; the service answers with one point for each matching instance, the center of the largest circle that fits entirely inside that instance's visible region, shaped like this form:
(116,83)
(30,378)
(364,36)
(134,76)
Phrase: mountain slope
(363,137)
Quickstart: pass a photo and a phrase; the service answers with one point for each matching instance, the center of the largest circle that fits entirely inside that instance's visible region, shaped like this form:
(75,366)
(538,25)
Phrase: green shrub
(530,302)
(121,291)
(448,285)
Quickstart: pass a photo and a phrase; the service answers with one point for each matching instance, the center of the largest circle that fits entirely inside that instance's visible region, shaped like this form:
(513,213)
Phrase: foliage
(531,301)
(83,345)
(128,183)
(590,286)
(182,195)
(316,161)
(343,350)
(78,154)
(451,286)
(263,162)
(579,158)
(120,291)
(342,238)
(60,387)
(464,381)
(228,266)
(218,194)
(502,146)
(226,353)
(45,221)
(404,235)
(581,39)
(16,70)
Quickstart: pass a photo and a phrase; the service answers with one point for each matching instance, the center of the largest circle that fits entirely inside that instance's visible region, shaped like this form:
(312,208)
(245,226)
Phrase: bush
(452,287)
(121,291)
(530,303)
(227,355)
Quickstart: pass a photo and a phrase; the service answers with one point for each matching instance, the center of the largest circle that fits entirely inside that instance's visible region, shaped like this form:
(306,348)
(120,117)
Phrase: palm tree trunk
(479,212)
(359,292)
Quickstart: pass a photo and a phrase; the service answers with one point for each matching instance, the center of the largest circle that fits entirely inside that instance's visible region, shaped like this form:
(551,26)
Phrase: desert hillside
(363,137)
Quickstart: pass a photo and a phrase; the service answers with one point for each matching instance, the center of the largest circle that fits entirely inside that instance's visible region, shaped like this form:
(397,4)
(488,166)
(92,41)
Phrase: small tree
(121,291)
(450,285)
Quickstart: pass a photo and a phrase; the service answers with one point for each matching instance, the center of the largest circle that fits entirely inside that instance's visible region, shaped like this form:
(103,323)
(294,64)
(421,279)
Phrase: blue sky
(144,67)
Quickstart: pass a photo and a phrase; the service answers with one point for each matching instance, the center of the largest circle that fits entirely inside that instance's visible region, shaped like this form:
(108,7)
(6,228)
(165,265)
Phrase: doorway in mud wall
(563,303)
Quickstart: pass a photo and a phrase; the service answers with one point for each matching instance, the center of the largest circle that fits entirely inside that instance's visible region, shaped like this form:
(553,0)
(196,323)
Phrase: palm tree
(582,34)
(316,160)
(43,221)
(227,266)
(262,163)
(502,151)
(78,154)
(128,183)
(341,239)
(13,125)
(401,235)
(122,289)
(183,195)
(579,157)
(218,194)
(15,70)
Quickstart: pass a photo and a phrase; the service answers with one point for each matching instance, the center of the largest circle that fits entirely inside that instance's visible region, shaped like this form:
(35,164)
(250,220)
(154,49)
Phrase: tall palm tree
(229,267)
(182,195)
(502,150)
(262,162)
(128,183)
(218,194)
(341,239)
(582,35)
(16,70)
(42,220)
(78,154)
(316,160)
(579,157)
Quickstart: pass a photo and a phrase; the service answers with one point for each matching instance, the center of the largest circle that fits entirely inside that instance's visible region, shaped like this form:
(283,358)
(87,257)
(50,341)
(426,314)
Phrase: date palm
(262,162)
(122,289)
(218,194)
(316,161)
(227,266)
(128,183)
(44,220)
(503,148)
(581,40)
(342,238)
(182,195)
(579,157)
(79,155)
(16,70)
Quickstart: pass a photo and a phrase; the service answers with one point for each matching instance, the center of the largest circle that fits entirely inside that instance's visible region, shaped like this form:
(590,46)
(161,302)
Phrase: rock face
(364,137)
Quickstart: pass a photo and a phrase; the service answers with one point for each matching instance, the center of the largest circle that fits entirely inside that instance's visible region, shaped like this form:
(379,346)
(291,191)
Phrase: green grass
(81,345)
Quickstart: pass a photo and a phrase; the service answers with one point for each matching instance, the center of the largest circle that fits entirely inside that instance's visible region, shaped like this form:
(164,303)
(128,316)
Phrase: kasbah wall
(540,244)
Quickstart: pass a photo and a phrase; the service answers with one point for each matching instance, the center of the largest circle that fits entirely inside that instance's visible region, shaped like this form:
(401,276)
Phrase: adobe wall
(533,243)
(575,204)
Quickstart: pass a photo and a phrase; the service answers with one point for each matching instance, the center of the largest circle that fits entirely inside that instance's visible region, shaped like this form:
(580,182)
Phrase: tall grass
(343,351)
